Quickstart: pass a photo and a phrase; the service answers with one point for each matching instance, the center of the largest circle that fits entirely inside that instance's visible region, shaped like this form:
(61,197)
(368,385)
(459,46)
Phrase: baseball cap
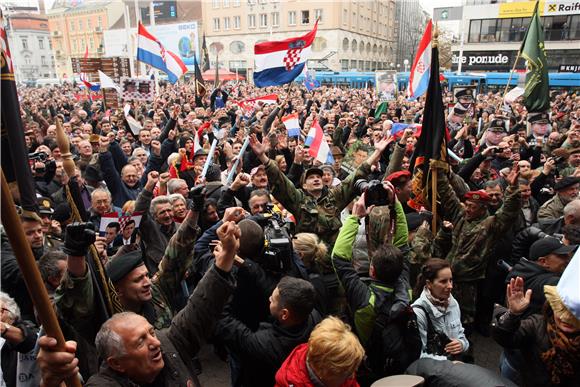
(549,245)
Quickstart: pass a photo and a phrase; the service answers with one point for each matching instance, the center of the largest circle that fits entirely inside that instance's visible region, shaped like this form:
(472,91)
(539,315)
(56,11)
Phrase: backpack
(394,343)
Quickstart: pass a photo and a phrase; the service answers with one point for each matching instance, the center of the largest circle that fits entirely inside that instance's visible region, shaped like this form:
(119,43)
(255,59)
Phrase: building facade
(30,46)
(78,26)
(410,24)
(352,35)
(494,30)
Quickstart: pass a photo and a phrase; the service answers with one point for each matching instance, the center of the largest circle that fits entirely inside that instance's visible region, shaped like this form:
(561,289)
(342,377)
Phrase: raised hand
(79,236)
(234,214)
(512,178)
(518,301)
(258,148)
(241,180)
(229,234)
(56,366)
(359,208)
(156,148)
(152,179)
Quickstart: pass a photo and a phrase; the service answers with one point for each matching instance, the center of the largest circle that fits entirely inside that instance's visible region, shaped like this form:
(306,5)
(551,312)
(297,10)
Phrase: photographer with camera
(315,207)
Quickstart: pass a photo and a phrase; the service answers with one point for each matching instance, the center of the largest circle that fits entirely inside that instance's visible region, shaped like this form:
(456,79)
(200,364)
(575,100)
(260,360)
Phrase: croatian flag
(292,125)
(280,62)
(151,51)
(419,79)
(317,145)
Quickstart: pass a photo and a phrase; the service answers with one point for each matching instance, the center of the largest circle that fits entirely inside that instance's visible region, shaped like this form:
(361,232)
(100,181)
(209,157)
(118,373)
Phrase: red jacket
(294,372)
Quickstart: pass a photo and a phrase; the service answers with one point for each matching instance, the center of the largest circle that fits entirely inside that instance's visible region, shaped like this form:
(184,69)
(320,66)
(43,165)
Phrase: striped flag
(419,78)
(151,51)
(292,125)
(317,146)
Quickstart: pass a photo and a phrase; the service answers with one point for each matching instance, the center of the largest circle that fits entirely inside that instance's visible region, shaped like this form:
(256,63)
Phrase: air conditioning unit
(56,33)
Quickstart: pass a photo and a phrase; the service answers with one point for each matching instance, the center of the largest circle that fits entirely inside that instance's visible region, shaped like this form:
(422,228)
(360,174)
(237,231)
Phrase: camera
(375,192)
(38,156)
(278,252)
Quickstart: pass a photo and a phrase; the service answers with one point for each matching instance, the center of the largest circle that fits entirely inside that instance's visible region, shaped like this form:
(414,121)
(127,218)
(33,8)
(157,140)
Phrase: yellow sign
(519,9)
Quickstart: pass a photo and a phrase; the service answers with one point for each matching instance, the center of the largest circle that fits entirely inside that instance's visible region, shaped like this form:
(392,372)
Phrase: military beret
(566,182)
(123,264)
(398,175)
(477,196)
(539,118)
(464,93)
(62,213)
(44,205)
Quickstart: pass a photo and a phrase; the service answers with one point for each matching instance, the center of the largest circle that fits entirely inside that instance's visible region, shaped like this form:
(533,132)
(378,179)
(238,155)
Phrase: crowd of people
(228,231)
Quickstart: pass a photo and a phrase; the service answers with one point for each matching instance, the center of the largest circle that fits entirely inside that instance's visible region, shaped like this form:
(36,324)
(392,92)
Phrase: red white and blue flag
(84,76)
(280,62)
(151,51)
(317,145)
(419,79)
(292,124)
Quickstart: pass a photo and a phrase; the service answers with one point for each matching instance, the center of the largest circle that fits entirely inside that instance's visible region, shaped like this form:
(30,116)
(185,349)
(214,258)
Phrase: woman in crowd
(329,359)
(438,314)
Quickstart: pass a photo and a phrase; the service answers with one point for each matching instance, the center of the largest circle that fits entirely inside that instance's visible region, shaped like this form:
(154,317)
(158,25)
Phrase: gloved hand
(78,238)
(197,196)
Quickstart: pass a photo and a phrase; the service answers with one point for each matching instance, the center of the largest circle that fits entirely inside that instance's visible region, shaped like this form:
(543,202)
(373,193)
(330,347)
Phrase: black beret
(566,182)
(468,93)
(123,264)
(62,213)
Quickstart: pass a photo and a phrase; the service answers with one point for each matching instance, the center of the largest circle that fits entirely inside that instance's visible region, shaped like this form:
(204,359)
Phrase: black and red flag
(15,164)
(432,143)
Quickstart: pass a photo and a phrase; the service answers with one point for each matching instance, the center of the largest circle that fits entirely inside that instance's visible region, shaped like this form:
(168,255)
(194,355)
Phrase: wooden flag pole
(511,75)
(30,273)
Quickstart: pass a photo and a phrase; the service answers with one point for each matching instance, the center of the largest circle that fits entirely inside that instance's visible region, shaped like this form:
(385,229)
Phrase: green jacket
(75,298)
(365,299)
(552,209)
(320,216)
(469,245)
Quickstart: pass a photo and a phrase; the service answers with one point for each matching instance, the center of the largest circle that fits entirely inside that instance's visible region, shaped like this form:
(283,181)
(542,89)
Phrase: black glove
(197,196)
(78,238)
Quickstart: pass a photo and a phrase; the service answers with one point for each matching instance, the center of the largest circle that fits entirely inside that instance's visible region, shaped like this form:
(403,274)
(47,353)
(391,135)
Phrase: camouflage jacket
(552,209)
(320,216)
(470,243)
(75,298)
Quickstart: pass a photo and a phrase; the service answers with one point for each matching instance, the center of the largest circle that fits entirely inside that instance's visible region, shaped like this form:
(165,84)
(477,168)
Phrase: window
(263,20)
(319,44)
(368,48)
(276,19)
(318,15)
(27,60)
(488,28)
(354,20)
(43,60)
(345,17)
(237,47)
(251,2)
(292,18)
(236,3)
(91,43)
(215,4)
(344,65)
(80,25)
(263,1)
(574,27)
(216,23)
(74,43)
(90,23)
(556,27)
(354,46)
(226,3)
(237,22)
(503,30)
(305,17)
(361,47)
(49,44)
(251,21)
(345,44)
(41,43)
(100,22)
(474,29)
(72,25)
(226,23)
(24,44)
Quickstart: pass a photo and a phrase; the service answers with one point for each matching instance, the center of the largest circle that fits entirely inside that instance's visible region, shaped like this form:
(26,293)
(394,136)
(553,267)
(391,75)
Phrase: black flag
(432,143)
(15,163)
(204,56)
(200,89)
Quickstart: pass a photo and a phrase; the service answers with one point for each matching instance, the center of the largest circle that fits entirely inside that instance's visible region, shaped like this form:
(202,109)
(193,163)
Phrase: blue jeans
(507,367)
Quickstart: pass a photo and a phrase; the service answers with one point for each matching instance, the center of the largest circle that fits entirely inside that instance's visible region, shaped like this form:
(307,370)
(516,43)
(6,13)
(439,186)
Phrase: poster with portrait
(137,89)
(123,223)
(386,84)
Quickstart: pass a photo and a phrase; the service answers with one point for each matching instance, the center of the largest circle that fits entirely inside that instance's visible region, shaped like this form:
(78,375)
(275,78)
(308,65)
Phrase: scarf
(440,304)
(562,357)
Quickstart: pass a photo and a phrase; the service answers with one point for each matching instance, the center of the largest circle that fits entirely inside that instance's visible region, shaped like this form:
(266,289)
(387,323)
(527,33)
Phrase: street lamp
(392,65)
(406,63)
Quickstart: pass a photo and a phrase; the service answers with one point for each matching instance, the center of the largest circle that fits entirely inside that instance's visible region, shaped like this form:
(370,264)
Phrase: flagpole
(432,166)
(30,272)
(511,75)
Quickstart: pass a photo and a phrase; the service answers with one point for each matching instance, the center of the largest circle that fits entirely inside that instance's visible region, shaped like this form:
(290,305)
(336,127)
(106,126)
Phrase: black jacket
(535,277)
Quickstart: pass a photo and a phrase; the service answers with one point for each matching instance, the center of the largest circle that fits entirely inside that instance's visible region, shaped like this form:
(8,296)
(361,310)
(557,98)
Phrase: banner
(386,85)
(137,89)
